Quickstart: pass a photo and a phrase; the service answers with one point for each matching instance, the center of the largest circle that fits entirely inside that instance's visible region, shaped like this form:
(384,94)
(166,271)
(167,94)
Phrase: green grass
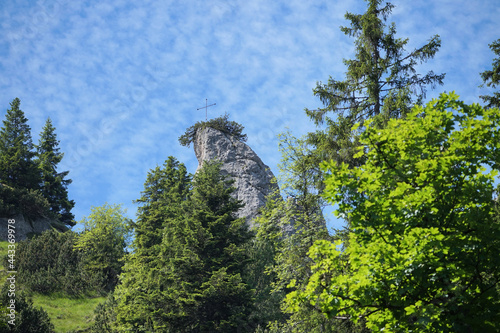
(3,251)
(68,314)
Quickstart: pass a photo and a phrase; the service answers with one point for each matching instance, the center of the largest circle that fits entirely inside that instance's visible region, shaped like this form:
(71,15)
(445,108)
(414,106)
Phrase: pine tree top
(221,123)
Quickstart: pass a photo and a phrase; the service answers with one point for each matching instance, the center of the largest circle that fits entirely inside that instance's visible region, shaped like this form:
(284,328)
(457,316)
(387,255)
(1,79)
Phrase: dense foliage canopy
(103,244)
(422,252)
(47,263)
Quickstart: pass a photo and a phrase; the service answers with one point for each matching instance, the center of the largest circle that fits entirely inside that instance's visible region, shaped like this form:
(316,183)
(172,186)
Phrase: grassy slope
(67,314)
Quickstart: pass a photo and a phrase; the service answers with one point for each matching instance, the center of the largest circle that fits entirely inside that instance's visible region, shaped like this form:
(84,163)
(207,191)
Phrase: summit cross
(206,107)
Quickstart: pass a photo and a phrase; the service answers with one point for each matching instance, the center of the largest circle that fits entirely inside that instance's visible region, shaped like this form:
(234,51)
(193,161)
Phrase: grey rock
(22,227)
(253,179)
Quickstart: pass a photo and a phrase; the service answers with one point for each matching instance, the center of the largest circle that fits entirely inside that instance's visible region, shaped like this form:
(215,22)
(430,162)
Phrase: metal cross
(206,107)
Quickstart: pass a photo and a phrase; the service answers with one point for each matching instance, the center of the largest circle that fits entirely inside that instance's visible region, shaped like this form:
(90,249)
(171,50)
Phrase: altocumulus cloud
(121,80)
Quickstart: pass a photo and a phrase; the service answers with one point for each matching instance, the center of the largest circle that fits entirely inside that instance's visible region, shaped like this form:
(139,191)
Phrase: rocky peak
(253,179)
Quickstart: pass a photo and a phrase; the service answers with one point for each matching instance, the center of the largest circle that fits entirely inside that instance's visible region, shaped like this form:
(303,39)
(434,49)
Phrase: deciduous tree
(423,246)
(103,243)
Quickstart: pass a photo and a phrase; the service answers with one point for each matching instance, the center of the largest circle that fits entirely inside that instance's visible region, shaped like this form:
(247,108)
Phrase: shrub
(27,317)
(47,263)
(222,124)
(104,316)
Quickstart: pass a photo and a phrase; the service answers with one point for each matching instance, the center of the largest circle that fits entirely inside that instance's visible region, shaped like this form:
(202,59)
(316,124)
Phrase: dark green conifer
(165,189)
(54,186)
(381,81)
(491,78)
(192,281)
(17,168)
(204,259)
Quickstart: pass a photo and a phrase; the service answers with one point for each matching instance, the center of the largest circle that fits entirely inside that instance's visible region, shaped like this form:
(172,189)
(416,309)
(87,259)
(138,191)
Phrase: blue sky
(121,80)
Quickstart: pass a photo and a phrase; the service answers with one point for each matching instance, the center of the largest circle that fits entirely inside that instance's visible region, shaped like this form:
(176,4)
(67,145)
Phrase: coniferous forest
(415,181)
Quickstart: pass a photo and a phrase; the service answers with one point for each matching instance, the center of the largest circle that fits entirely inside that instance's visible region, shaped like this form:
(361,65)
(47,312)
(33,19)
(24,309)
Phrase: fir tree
(17,168)
(160,203)
(192,282)
(381,82)
(165,189)
(205,257)
(491,78)
(54,185)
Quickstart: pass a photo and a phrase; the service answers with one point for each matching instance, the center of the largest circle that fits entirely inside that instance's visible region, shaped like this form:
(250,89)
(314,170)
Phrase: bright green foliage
(289,262)
(492,78)
(53,185)
(286,230)
(103,243)
(222,124)
(423,251)
(17,168)
(381,82)
(28,318)
(192,281)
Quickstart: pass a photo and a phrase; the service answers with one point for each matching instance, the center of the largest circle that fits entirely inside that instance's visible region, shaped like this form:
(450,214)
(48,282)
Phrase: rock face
(22,227)
(252,177)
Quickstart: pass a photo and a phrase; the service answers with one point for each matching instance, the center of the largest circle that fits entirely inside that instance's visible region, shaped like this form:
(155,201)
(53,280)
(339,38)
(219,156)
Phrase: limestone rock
(253,179)
(22,227)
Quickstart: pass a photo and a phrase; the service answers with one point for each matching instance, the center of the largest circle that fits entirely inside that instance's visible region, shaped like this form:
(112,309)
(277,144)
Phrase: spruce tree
(165,189)
(491,78)
(381,82)
(204,257)
(54,186)
(17,168)
(192,282)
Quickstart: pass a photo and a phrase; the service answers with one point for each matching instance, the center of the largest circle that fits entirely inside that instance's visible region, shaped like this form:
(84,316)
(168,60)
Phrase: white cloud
(122,80)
